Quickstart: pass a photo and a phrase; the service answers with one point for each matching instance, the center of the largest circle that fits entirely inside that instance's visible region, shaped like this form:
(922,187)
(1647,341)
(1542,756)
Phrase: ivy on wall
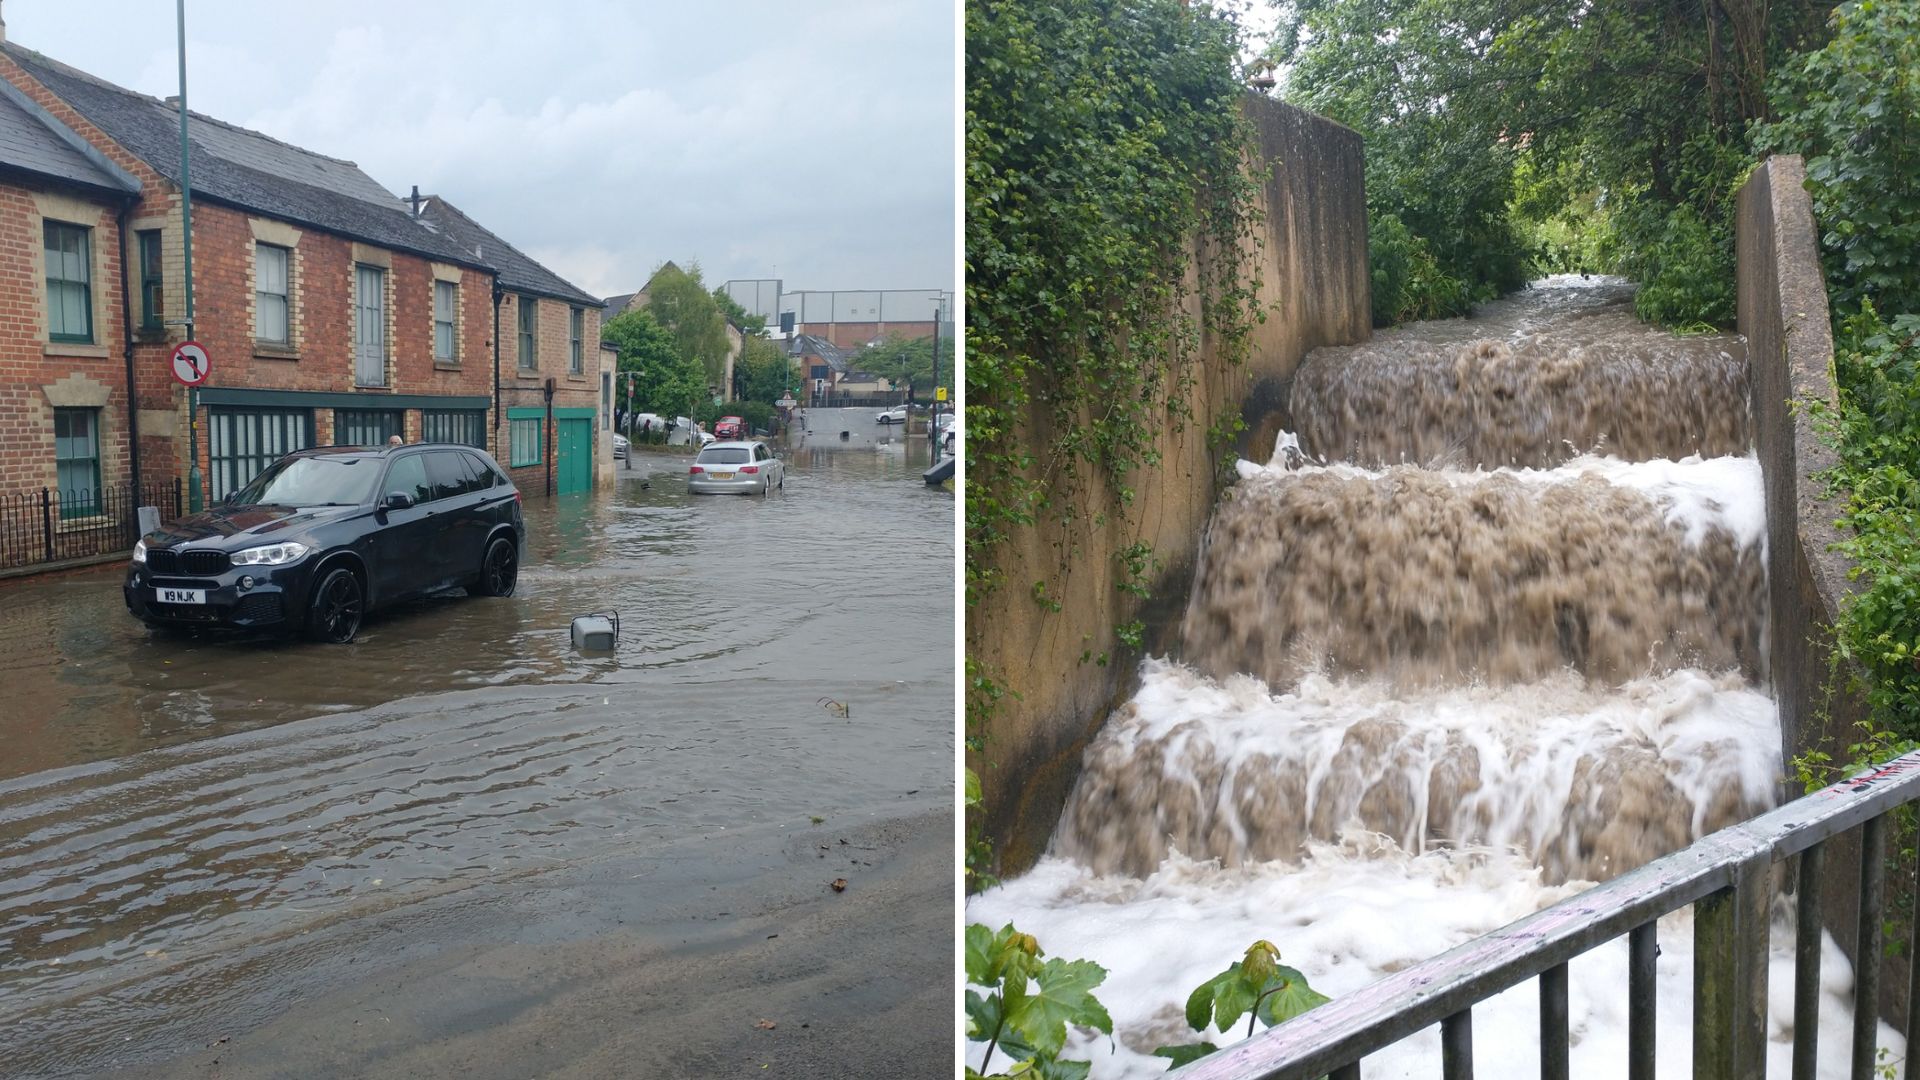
(1105,145)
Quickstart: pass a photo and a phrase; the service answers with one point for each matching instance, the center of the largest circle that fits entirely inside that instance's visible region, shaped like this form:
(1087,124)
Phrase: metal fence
(1728,878)
(51,526)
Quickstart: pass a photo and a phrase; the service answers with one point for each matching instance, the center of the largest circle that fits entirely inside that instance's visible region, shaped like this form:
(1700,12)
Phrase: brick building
(64,372)
(549,385)
(334,312)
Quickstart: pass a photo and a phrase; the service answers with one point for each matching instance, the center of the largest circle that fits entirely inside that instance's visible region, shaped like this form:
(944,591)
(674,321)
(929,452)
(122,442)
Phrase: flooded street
(192,828)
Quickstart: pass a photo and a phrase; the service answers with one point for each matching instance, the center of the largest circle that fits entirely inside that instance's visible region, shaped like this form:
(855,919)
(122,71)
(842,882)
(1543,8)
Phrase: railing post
(1456,1046)
(46,520)
(1730,976)
(176,497)
(1553,1023)
(1913,976)
(1806,965)
(1643,950)
(1866,953)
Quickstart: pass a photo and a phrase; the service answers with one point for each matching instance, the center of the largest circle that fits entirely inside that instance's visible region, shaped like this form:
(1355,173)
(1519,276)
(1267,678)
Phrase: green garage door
(573,471)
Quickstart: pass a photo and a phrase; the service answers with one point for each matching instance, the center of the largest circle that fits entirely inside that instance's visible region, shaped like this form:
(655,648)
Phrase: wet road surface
(171,806)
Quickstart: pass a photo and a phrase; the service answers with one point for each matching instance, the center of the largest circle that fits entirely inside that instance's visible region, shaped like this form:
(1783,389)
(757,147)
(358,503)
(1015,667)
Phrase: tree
(902,360)
(750,325)
(682,305)
(664,381)
(764,371)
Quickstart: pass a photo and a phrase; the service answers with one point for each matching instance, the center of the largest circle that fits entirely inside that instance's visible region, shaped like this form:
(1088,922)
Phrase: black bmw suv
(324,536)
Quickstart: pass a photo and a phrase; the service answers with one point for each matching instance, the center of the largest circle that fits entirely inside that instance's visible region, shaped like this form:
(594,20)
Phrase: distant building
(852,318)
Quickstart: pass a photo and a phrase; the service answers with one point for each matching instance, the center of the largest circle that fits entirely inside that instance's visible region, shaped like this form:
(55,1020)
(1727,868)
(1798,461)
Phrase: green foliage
(749,325)
(984,695)
(683,306)
(1852,108)
(1103,138)
(1408,283)
(903,361)
(665,382)
(764,371)
(1256,986)
(1877,363)
(1686,273)
(1028,1002)
(1558,136)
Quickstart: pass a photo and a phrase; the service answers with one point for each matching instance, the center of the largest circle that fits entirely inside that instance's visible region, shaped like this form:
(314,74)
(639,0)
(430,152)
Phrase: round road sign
(191,364)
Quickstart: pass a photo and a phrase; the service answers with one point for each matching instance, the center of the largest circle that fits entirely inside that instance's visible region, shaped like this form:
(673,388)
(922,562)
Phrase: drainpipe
(498,416)
(552,437)
(126,328)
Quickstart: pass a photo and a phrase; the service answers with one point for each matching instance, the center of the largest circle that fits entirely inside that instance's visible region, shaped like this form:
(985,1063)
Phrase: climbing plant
(1110,211)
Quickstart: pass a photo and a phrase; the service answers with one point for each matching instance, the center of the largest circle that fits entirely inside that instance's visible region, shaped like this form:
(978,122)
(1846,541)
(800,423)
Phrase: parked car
(896,415)
(950,440)
(736,467)
(619,447)
(325,536)
(685,432)
(730,427)
(940,421)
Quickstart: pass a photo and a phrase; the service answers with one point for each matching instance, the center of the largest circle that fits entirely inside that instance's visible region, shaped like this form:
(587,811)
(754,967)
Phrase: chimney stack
(415,200)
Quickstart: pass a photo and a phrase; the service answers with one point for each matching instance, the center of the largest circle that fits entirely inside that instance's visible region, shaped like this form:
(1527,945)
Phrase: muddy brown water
(166,801)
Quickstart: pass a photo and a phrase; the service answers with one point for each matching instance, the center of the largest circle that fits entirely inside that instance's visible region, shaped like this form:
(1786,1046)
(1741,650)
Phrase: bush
(1683,264)
(1408,283)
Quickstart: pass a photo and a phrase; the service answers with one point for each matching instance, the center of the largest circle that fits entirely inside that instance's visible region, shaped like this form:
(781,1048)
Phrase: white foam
(1349,915)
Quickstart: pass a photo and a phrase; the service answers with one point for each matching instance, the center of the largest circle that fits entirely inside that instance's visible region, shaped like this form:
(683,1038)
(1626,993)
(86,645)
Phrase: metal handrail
(1728,874)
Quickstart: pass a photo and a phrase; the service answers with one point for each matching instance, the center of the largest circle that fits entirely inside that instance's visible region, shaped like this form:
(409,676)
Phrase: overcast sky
(812,141)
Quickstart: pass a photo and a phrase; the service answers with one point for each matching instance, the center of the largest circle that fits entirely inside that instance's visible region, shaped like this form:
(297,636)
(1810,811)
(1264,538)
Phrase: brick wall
(36,375)
(522,389)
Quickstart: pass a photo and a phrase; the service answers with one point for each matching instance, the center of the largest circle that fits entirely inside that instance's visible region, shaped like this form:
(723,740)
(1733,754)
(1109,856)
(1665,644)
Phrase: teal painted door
(574,469)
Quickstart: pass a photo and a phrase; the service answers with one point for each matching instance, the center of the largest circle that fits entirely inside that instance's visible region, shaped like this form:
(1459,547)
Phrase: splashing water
(1417,702)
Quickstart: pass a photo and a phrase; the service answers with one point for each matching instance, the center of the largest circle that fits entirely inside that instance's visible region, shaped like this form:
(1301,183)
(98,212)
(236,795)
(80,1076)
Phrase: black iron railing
(47,525)
(1727,877)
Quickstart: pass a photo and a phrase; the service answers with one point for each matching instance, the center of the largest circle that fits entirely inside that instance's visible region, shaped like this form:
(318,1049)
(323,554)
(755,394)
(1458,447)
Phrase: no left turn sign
(191,364)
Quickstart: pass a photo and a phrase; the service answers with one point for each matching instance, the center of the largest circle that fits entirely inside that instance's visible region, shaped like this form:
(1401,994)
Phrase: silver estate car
(736,468)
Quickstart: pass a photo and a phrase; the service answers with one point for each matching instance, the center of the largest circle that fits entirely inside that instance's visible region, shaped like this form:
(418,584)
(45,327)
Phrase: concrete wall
(1313,269)
(1783,313)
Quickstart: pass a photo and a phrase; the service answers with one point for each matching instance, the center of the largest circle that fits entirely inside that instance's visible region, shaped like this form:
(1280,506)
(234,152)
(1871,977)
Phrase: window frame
(576,329)
(527,336)
(285,297)
(451,322)
(92,506)
(435,423)
(153,306)
(50,227)
(516,459)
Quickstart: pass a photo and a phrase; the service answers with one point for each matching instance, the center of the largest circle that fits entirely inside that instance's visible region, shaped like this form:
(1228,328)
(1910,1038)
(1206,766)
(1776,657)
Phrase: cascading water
(1490,629)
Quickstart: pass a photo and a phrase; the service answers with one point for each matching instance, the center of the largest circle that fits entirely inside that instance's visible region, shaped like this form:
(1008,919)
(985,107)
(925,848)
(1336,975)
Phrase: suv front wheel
(338,604)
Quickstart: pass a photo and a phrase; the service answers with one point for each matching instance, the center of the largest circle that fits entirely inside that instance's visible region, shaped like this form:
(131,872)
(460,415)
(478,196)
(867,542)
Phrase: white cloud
(601,138)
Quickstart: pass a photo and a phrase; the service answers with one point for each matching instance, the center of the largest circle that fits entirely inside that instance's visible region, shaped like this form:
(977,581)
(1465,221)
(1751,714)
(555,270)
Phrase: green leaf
(1186,1054)
(983,1019)
(1064,996)
(1289,997)
(979,952)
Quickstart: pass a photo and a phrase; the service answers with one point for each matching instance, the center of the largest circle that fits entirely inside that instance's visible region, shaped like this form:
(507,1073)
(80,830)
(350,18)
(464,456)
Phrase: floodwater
(1490,627)
(165,802)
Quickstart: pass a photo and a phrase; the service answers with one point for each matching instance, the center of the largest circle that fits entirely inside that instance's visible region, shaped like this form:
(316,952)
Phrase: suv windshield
(728,455)
(311,481)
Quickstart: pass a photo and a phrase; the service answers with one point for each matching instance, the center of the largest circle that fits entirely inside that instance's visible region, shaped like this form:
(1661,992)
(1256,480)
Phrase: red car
(730,427)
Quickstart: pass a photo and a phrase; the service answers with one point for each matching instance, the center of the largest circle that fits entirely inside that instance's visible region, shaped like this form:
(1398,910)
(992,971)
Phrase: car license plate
(180,596)
(721,475)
